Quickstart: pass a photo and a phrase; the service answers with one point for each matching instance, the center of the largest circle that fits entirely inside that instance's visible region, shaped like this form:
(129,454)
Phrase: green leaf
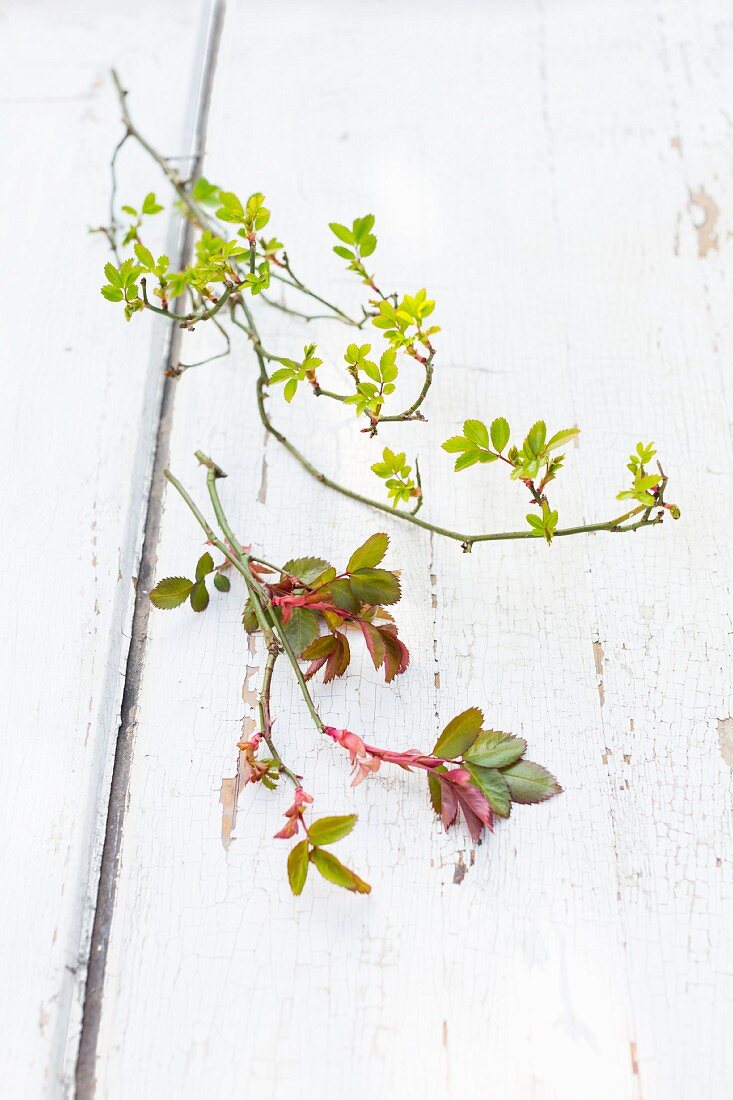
(459,734)
(298,867)
(375,586)
(321,647)
(456,444)
(307,570)
(282,374)
(301,629)
(327,830)
(204,566)
(341,232)
(222,582)
(112,274)
(171,592)
(362,227)
(344,253)
(536,437)
(231,209)
(342,596)
(470,458)
(289,391)
(370,553)
(249,618)
(367,245)
(199,596)
(435,793)
(388,365)
(494,786)
(353,354)
(494,749)
(529,782)
(150,206)
(334,870)
(112,293)
(559,439)
(145,256)
(477,432)
(205,192)
(499,433)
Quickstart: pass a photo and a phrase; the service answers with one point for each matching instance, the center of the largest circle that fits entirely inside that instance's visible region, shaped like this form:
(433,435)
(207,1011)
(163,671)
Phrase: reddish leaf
(318,653)
(475,827)
(476,810)
(457,791)
(332,664)
(448,804)
(334,621)
(314,667)
(321,647)
(397,656)
(338,660)
(345,654)
(374,642)
(434,789)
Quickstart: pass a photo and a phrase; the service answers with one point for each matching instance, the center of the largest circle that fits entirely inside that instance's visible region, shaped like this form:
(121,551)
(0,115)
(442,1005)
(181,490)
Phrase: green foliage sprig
(361,243)
(228,274)
(536,464)
(305,610)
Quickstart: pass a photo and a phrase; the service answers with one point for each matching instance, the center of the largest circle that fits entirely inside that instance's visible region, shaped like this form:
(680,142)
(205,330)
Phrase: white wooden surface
(559,176)
(77,421)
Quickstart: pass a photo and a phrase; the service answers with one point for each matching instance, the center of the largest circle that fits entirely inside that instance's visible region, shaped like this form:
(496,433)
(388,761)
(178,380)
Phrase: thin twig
(466,540)
(266,717)
(213,473)
(181,367)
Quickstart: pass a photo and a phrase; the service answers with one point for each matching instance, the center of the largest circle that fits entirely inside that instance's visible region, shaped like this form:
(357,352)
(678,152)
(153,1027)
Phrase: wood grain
(78,421)
(524,161)
(559,176)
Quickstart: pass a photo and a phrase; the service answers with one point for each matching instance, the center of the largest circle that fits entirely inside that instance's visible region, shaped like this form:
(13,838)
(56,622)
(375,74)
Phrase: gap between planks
(85,1077)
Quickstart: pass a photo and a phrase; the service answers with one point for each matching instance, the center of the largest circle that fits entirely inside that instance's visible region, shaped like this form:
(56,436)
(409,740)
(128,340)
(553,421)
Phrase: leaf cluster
(402,324)
(316,606)
(217,259)
(481,444)
(149,207)
(378,381)
(173,591)
(122,285)
(292,373)
(496,764)
(324,831)
(252,215)
(642,484)
(535,457)
(357,244)
(397,475)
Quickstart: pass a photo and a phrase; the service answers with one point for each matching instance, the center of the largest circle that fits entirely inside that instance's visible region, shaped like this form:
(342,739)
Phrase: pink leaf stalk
(294,814)
(457,789)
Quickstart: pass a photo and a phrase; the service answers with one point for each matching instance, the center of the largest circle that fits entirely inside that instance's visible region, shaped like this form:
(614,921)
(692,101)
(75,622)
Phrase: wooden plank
(661,616)
(79,418)
(582,950)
